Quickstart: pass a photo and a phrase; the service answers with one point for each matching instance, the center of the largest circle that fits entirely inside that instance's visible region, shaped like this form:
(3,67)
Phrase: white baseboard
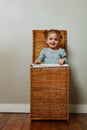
(25,108)
(19,108)
(78,108)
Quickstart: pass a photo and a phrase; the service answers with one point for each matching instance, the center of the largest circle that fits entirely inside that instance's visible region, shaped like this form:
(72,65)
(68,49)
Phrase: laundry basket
(49,85)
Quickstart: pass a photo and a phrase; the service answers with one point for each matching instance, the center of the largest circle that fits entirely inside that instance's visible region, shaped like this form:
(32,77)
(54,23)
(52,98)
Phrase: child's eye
(56,39)
(50,38)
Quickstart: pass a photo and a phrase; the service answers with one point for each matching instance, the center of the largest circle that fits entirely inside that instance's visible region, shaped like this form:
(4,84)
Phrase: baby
(53,54)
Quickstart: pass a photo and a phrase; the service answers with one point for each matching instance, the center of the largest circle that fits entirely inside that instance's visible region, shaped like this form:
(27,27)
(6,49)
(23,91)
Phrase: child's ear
(47,41)
(59,40)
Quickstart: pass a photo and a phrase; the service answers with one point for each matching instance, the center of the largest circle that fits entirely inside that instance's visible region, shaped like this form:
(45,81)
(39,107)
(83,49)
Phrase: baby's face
(53,41)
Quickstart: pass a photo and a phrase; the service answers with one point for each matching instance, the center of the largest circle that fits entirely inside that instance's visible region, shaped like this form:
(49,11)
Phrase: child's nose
(53,40)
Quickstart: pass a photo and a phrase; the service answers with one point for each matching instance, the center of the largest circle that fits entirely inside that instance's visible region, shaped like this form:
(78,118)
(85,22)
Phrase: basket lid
(39,42)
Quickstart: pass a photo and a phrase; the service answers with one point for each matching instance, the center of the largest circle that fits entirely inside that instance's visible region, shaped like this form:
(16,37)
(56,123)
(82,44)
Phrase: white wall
(17,20)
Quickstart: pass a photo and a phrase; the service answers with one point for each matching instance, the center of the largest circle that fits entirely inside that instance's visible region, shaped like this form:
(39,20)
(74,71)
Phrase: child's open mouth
(53,44)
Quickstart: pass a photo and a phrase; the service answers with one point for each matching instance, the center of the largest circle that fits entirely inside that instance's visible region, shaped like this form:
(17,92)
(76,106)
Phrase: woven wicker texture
(49,85)
(50,93)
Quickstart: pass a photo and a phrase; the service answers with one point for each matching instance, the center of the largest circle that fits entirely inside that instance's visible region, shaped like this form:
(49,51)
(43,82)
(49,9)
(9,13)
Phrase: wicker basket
(49,85)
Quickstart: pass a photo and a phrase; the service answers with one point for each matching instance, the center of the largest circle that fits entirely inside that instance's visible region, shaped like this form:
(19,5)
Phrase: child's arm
(41,57)
(63,59)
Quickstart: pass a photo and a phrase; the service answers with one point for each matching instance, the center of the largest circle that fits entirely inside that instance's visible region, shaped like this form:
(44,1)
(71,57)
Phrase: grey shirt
(49,56)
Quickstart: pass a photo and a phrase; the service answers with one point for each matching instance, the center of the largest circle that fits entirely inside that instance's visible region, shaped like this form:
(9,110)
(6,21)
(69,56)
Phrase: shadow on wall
(75,92)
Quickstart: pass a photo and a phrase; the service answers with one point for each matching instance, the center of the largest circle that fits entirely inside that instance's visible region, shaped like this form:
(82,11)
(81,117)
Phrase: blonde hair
(57,32)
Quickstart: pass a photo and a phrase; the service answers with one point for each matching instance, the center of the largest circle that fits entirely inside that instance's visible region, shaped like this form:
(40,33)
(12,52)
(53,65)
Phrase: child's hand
(61,61)
(37,62)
